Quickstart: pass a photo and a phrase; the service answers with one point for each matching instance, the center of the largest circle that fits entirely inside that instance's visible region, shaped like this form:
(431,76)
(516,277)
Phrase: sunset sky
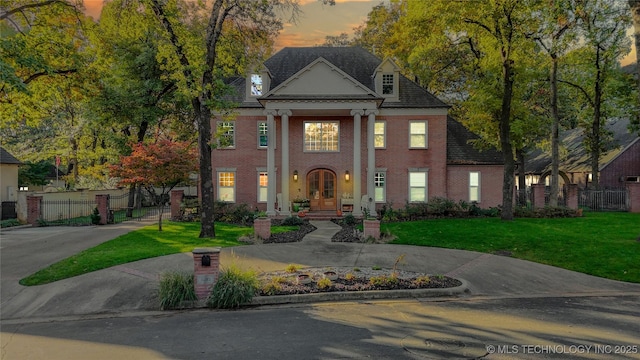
(318,21)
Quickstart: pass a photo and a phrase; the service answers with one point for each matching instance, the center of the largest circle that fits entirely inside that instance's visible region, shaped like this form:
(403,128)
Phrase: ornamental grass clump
(176,289)
(233,288)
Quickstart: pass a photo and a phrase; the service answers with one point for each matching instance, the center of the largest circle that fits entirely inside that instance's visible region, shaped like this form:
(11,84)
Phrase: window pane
(226,186)
(474,194)
(379,130)
(256,85)
(321,136)
(417,194)
(417,179)
(387,84)
(418,134)
(474,179)
(262,134)
(226,131)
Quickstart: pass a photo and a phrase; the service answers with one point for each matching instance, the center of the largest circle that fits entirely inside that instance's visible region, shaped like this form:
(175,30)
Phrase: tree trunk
(131,200)
(522,179)
(160,211)
(505,141)
(555,155)
(203,114)
(595,127)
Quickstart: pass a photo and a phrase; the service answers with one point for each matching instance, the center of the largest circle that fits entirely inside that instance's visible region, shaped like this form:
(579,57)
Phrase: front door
(322,189)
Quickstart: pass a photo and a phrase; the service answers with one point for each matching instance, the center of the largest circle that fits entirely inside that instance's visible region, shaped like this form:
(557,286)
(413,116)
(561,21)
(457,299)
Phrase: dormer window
(387,84)
(256,85)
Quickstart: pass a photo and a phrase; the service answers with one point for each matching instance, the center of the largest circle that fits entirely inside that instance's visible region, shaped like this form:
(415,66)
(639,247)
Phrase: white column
(357,164)
(371,161)
(271,163)
(285,161)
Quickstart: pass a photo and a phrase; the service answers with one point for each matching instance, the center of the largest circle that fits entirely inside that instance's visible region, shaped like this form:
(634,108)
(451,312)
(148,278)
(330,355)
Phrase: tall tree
(635,14)
(556,35)
(202,73)
(602,25)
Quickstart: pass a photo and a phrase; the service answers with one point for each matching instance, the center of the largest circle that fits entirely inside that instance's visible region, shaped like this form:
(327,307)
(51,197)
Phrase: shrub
(324,283)
(233,288)
(291,268)
(292,221)
(349,219)
(422,280)
(95,216)
(175,289)
(9,223)
(273,287)
(349,277)
(383,280)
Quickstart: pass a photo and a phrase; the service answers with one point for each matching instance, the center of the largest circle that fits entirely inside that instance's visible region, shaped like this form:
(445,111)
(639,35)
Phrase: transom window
(418,186)
(474,186)
(256,85)
(321,136)
(380,182)
(418,134)
(387,84)
(227,186)
(226,134)
(263,139)
(379,136)
(262,186)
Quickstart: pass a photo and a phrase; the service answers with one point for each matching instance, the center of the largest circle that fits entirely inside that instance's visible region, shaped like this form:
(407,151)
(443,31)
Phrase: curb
(360,295)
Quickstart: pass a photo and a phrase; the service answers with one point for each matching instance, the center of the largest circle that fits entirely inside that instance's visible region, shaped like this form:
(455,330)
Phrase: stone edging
(360,295)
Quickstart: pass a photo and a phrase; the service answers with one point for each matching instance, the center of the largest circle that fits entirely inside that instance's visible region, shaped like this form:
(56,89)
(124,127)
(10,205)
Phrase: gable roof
(7,158)
(461,152)
(356,62)
(577,158)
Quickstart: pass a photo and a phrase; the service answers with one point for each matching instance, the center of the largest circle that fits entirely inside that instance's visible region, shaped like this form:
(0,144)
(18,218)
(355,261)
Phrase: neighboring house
(345,130)
(55,181)
(618,165)
(8,183)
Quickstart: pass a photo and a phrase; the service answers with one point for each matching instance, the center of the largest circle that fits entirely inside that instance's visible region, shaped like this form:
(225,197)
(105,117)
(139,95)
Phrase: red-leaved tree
(158,167)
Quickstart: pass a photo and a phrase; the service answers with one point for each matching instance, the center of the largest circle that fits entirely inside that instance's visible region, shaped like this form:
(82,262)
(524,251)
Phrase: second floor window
(379,139)
(321,136)
(226,134)
(263,139)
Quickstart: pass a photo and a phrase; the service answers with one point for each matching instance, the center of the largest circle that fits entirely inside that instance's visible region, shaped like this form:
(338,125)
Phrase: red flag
(57,161)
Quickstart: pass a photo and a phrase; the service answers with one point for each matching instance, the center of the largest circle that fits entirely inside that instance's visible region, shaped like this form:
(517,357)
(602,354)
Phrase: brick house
(346,131)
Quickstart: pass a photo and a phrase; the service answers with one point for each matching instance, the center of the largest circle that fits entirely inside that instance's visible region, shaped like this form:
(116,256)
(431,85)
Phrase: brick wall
(491,177)
(397,158)
(626,164)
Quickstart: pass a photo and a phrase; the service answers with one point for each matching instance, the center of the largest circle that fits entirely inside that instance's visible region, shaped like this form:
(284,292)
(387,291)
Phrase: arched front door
(322,189)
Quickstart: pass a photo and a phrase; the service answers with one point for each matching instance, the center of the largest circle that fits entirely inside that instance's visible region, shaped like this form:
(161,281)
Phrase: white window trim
(393,84)
(258,131)
(384,134)
(426,134)
(384,188)
(304,133)
(479,186)
(218,124)
(426,187)
(235,183)
(251,85)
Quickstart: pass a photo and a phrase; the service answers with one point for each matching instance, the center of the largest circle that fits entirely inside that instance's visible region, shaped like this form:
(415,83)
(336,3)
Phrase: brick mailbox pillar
(102,203)
(538,195)
(176,200)
(34,204)
(206,266)
(371,229)
(262,228)
(572,196)
(634,197)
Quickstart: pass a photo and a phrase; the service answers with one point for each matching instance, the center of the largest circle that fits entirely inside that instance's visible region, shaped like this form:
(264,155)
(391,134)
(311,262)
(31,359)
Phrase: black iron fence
(604,199)
(67,212)
(137,207)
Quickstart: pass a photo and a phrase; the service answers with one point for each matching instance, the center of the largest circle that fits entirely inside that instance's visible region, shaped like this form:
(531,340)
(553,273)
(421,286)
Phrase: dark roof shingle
(461,152)
(7,158)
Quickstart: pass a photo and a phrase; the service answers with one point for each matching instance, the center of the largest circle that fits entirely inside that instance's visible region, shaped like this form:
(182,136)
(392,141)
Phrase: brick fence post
(102,202)
(572,196)
(34,206)
(176,200)
(634,197)
(206,267)
(371,229)
(262,228)
(538,195)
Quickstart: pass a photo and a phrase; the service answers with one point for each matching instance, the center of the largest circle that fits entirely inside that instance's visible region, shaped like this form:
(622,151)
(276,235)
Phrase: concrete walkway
(129,288)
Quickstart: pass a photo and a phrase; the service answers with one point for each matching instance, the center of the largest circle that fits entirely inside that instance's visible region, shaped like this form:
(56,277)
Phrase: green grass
(144,243)
(600,244)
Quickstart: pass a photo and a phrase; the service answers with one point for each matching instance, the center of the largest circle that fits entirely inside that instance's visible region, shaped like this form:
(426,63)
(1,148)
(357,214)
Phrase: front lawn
(144,243)
(600,244)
